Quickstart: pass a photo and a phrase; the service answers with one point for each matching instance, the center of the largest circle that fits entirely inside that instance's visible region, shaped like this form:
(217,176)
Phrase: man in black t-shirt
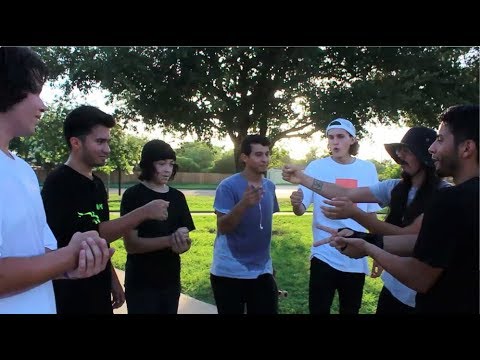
(442,263)
(76,200)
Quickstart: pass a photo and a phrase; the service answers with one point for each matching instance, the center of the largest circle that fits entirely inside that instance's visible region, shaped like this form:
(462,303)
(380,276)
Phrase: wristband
(375,239)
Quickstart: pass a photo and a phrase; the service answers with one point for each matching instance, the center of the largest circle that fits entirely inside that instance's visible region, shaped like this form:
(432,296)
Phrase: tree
(125,154)
(315,153)
(196,156)
(225,163)
(279,157)
(387,169)
(46,148)
(277,92)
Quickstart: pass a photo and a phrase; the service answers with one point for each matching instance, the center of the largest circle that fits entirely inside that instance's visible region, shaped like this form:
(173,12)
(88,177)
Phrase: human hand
(118,295)
(376,270)
(252,195)
(157,209)
(93,254)
(341,241)
(343,208)
(180,240)
(296,198)
(292,173)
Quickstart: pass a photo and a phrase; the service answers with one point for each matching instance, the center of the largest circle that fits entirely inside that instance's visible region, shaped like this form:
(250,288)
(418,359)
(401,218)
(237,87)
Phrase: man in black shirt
(76,200)
(442,263)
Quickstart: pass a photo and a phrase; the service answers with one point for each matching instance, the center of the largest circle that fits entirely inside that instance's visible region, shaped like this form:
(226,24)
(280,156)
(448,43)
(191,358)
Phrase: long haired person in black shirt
(152,274)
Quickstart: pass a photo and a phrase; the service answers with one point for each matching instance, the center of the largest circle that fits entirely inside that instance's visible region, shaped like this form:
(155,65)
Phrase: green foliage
(187,165)
(279,157)
(196,156)
(125,151)
(278,91)
(387,169)
(47,147)
(315,153)
(225,163)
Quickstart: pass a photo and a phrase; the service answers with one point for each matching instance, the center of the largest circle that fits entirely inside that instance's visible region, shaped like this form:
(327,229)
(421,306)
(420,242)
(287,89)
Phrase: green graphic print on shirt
(92,214)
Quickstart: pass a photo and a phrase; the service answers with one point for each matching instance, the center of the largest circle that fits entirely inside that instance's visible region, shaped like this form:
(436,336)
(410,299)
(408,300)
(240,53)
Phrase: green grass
(204,203)
(290,253)
(194,186)
(200,203)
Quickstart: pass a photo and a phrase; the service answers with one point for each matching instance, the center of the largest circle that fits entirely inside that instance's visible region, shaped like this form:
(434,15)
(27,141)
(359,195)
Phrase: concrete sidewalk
(187,304)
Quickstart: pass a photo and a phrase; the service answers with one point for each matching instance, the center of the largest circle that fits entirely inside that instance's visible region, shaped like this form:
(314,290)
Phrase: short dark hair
(462,121)
(22,71)
(246,147)
(80,122)
(155,150)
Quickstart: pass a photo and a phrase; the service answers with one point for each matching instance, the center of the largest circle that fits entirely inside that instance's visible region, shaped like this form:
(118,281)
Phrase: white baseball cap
(342,124)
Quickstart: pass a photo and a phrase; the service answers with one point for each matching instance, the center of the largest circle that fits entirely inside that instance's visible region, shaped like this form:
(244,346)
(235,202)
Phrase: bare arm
(412,272)
(343,208)
(394,257)
(374,225)
(22,273)
(228,222)
(85,255)
(139,245)
(295,175)
(114,229)
(401,245)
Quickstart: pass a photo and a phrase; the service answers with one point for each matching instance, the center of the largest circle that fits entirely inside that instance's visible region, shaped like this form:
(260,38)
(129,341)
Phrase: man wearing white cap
(329,269)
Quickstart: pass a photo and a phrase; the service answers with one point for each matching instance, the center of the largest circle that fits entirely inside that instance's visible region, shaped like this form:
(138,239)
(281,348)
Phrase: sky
(371,147)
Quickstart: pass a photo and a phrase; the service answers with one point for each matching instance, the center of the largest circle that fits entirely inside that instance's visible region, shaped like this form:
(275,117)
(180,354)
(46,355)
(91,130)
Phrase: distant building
(275,175)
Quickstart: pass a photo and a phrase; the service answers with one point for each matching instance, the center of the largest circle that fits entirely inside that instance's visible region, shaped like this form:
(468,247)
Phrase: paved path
(187,305)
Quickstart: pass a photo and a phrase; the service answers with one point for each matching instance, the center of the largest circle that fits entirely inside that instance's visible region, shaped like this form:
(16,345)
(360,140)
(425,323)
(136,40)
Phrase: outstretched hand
(351,247)
(157,209)
(292,173)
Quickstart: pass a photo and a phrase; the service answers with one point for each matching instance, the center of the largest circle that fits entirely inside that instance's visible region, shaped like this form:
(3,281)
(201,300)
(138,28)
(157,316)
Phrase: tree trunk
(108,186)
(119,182)
(237,142)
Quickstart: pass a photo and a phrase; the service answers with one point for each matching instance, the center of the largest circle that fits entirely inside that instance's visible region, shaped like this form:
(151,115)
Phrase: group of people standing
(55,256)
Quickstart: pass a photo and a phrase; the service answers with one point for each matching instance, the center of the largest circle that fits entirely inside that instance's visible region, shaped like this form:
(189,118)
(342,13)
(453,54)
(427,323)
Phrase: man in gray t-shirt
(242,274)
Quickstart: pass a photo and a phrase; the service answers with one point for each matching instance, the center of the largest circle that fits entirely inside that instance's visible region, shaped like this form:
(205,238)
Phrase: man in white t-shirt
(407,198)
(27,262)
(329,269)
